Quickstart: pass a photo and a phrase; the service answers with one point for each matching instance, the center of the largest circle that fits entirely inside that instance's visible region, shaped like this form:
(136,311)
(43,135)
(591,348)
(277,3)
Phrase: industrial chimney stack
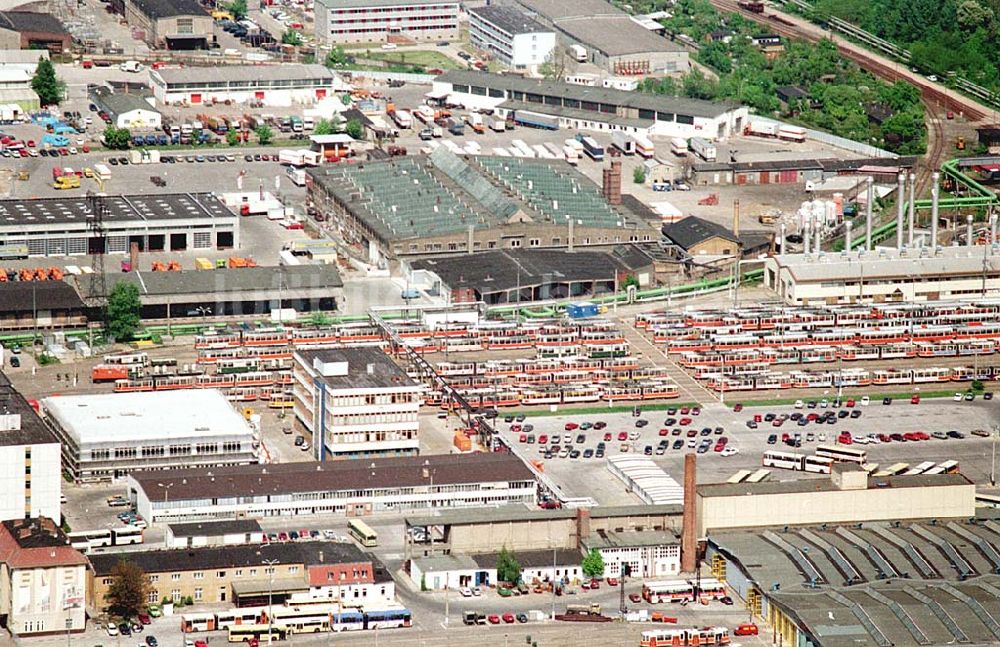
(689,546)
(612,186)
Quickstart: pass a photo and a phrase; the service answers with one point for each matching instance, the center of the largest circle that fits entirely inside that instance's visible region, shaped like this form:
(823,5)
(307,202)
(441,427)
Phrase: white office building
(107,436)
(30,474)
(356,402)
(511,36)
(377,21)
(271,85)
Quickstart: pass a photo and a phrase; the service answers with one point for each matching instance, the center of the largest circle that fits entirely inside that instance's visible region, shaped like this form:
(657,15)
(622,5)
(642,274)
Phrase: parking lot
(588,476)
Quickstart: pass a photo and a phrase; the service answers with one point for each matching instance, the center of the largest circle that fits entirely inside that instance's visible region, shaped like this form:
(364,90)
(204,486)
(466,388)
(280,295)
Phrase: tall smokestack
(900,200)
(736,219)
(847,237)
(612,189)
(781,240)
(935,197)
(689,545)
(569,244)
(912,205)
(968,231)
(805,237)
(868,213)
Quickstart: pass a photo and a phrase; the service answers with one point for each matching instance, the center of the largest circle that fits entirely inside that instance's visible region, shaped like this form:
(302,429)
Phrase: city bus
(193,622)
(392,616)
(656,592)
(919,469)
(240,616)
(842,453)
(258,633)
(304,619)
(362,533)
(87,540)
(893,470)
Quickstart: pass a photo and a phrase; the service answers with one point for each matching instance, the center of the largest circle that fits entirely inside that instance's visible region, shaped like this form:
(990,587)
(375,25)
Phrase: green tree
(129,589)
(117,139)
(696,85)
(324,127)
(123,311)
(336,57)
(355,129)
(46,85)
(238,8)
(593,564)
(508,568)
(554,66)
(264,134)
(232,137)
(291,37)
(639,175)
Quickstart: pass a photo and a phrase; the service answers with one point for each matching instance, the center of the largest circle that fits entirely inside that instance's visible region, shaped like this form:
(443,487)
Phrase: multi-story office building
(107,436)
(42,579)
(30,475)
(373,21)
(512,37)
(356,402)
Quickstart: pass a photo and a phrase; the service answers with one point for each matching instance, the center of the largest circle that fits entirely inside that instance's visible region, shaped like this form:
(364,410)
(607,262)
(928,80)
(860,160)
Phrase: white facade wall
(341,502)
(645,561)
(46,481)
(374,593)
(453,579)
(234,539)
(561,573)
(270,97)
(532,49)
(374,24)
(37,597)
(139,119)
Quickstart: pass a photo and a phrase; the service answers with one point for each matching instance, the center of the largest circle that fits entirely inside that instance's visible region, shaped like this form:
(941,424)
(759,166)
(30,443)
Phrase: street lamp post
(270,589)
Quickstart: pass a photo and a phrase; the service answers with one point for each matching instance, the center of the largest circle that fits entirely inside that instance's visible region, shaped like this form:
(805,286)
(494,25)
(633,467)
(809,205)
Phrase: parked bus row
(847,378)
(690,590)
(88,540)
(297,617)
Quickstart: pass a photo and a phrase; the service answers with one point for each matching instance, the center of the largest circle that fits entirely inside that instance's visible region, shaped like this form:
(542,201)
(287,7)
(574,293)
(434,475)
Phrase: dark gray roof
(142,209)
(33,431)
(291,280)
(616,35)
(26,296)
(508,19)
(169,8)
(367,368)
(214,528)
(639,208)
(533,558)
(693,230)
(31,21)
(119,103)
(556,10)
(216,557)
(506,269)
(662,103)
(307,477)
(353,114)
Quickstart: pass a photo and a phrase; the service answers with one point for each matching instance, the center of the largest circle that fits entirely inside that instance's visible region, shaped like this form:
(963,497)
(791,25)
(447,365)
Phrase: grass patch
(422,58)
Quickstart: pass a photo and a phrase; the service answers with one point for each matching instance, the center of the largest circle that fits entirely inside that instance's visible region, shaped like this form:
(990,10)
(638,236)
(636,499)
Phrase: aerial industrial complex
(531,322)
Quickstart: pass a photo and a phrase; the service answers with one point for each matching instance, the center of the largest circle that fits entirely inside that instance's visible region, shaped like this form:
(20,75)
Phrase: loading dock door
(178,242)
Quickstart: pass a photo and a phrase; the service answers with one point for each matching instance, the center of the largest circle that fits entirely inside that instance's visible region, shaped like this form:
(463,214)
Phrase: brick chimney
(689,545)
(611,188)
(582,524)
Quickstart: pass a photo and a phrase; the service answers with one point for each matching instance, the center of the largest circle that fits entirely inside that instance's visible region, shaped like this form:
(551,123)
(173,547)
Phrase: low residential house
(42,579)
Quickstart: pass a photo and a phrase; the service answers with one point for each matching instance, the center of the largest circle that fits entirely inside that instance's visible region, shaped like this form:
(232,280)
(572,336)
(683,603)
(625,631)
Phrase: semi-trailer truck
(703,148)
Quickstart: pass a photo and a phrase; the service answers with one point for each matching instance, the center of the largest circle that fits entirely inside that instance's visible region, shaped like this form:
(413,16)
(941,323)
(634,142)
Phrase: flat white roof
(131,417)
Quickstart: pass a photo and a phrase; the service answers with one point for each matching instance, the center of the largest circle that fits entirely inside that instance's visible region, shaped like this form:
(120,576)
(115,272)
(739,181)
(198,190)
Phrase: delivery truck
(679,146)
(643,146)
(703,148)
(758,128)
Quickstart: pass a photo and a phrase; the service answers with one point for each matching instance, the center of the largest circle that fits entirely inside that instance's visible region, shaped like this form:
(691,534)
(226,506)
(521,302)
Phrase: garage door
(195,98)
(789,177)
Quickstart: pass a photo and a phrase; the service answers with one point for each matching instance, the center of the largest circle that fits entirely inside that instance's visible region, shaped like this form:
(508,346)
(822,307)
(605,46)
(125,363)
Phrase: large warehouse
(272,85)
(352,488)
(612,39)
(441,203)
(591,108)
(884,275)
(157,223)
(226,292)
(108,436)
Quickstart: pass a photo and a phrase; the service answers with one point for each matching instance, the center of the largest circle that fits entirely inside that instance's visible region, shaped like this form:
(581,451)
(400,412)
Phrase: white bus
(919,469)
(362,533)
(239,616)
(843,453)
(782,460)
(87,540)
(893,470)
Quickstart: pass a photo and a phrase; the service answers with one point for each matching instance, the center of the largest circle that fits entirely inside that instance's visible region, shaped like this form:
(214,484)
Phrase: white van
(131,66)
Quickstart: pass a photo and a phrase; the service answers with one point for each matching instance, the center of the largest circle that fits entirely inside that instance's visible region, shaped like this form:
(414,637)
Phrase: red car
(523,438)
(543,439)
(607,436)
(684,422)
(493,619)
(922,435)
(664,432)
(777,422)
(737,407)
(594,584)
(695,411)
(885,438)
(515,428)
(612,581)
(912,435)
(845,439)
(746,630)
(508,618)
(144,618)
(283,536)
(849,404)
(915,399)
(719,447)
(622,435)
(685,410)
(570,426)
(31,143)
